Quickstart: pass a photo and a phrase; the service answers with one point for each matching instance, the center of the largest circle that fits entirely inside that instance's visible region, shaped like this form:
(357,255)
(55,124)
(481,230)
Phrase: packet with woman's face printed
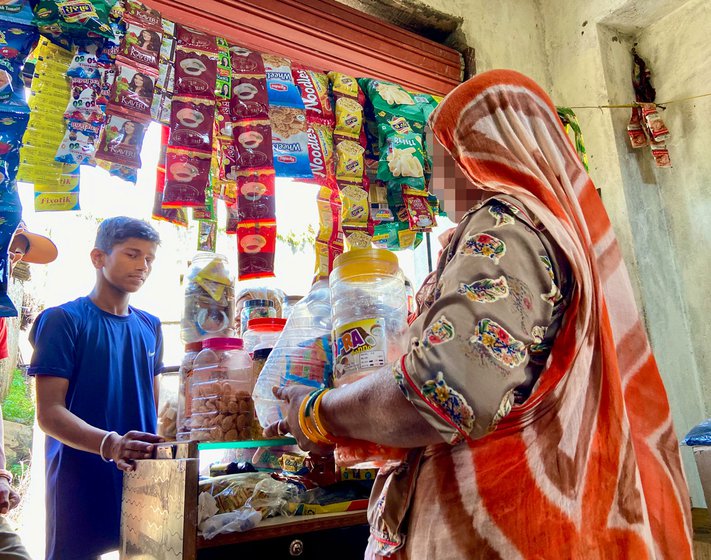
(141,45)
(121,140)
(133,89)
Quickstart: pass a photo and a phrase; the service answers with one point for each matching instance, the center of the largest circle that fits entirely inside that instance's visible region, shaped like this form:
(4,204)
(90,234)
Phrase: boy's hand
(8,497)
(124,450)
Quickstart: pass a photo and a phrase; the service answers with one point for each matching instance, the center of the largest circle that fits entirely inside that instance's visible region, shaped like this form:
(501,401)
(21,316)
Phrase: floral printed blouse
(478,347)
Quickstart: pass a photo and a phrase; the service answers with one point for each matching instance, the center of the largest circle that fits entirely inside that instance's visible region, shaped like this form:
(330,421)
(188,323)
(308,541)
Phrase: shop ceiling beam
(325,35)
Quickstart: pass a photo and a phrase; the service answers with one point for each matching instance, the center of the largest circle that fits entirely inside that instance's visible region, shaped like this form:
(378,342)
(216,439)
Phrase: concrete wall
(580,51)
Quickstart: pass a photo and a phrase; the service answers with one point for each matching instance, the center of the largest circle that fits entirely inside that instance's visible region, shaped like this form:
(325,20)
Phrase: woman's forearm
(374,409)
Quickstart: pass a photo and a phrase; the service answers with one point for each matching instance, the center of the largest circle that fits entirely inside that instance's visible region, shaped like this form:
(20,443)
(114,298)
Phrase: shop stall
(245,92)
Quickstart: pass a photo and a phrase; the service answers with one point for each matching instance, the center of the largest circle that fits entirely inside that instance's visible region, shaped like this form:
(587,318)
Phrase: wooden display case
(159,519)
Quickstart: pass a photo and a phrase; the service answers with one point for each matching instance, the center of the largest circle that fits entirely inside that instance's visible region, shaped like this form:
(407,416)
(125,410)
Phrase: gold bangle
(309,432)
(318,425)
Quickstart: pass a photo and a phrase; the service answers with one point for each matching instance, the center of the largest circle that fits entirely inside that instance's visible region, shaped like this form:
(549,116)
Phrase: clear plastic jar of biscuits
(222,407)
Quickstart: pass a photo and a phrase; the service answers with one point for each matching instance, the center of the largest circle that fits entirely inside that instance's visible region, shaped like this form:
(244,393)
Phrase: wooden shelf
(285,526)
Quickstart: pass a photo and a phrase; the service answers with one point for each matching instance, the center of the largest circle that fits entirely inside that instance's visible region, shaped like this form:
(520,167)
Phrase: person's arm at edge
(8,497)
(58,422)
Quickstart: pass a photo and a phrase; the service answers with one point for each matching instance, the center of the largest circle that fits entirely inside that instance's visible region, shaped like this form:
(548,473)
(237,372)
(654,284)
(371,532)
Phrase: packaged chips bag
(67,21)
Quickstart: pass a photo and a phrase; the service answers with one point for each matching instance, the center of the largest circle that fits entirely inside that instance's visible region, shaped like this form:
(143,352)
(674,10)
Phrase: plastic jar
(262,333)
(209,309)
(256,309)
(185,390)
(222,407)
(369,312)
(169,383)
(258,360)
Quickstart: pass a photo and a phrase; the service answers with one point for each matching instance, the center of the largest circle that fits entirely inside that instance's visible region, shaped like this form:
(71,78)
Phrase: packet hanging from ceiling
(223,84)
(326,253)
(402,161)
(227,161)
(391,99)
(345,86)
(281,88)
(246,61)
(355,206)
(12,128)
(349,162)
(141,45)
(249,98)
(191,123)
(195,74)
(194,39)
(321,152)
(396,236)
(57,201)
(85,62)
(223,120)
(135,12)
(79,143)
(357,237)
(121,141)
(16,41)
(290,142)
(133,90)
(177,216)
(253,141)
(256,245)
(187,177)
(64,21)
(207,236)
(206,212)
(349,119)
(314,94)
(8,225)
(419,212)
(82,105)
(255,196)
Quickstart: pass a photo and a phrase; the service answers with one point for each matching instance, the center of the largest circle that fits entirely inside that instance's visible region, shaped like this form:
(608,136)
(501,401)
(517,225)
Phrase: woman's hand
(8,497)
(124,450)
(293,397)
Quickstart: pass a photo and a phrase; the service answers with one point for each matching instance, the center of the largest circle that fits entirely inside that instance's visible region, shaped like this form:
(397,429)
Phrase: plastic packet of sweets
(83,102)
(256,245)
(191,123)
(195,74)
(321,152)
(253,141)
(281,88)
(207,236)
(246,61)
(79,143)
(85,63)
(349,118)
(349,162)
(419,211)
(187,177)
(290,142)
(355,206)
(193,39)
(141,45)
(255,196)
(249,98)
(133,90)
(314,94)
(121,140)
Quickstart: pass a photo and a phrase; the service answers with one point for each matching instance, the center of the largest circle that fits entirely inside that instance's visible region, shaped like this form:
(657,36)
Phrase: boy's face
(128,265)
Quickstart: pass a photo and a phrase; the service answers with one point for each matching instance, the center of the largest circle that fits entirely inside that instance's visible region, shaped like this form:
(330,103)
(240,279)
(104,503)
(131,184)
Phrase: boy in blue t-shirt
(95,361)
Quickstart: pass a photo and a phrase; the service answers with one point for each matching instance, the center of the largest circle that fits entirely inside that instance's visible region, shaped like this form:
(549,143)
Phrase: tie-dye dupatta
(594,447)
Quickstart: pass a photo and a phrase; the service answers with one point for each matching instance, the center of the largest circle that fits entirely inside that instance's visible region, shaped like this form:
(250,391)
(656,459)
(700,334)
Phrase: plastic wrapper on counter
(302,355)
(699,435)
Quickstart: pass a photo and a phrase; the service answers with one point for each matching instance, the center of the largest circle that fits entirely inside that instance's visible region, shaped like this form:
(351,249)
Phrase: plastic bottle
(262,333)
(185,390)
(222,407)
(369,312)
(209,309)
(302,355)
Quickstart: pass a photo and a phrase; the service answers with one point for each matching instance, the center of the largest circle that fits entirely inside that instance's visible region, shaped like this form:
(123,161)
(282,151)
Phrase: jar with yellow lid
(369,312)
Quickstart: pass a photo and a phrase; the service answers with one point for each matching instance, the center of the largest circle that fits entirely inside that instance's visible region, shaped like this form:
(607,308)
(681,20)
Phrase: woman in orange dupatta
(536,430)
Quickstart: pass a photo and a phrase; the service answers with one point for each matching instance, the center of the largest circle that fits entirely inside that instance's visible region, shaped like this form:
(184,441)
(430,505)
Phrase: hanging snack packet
(357,237)
(402,161)
(187,177)
(83,102)
(290,142)
(11,219)
(355,206)
(175,216)
(192,39)
(133,90)
(206,212)
(245,61)
(135,12)
(255,196)
(280,83)
(12,128)
(79,143)
(223,120)
(349,162)
(141,45)
(223,85)
(256,245)
(314,94)
(57,201)
(249,98)
(60,20)
(391,99)
(195,74)
(321,154)
(345,86)
(227,161)
(15,44)
(253,141)
(232,219)
(419,211)
(191,123)
(207,236)
(349,119)
(85,63)
(121,141)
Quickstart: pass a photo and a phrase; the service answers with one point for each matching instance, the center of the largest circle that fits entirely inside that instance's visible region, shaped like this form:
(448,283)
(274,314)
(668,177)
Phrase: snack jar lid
(259,303)
(266,324)
(358,262)
(222,343)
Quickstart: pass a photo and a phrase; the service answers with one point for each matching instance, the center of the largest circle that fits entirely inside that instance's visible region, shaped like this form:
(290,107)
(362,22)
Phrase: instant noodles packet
(314,94)
(290,142)
(281,88)
(256,245)
(321,152)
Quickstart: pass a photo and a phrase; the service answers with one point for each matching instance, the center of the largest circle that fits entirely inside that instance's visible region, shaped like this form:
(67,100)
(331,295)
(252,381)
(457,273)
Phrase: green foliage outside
(19,406)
